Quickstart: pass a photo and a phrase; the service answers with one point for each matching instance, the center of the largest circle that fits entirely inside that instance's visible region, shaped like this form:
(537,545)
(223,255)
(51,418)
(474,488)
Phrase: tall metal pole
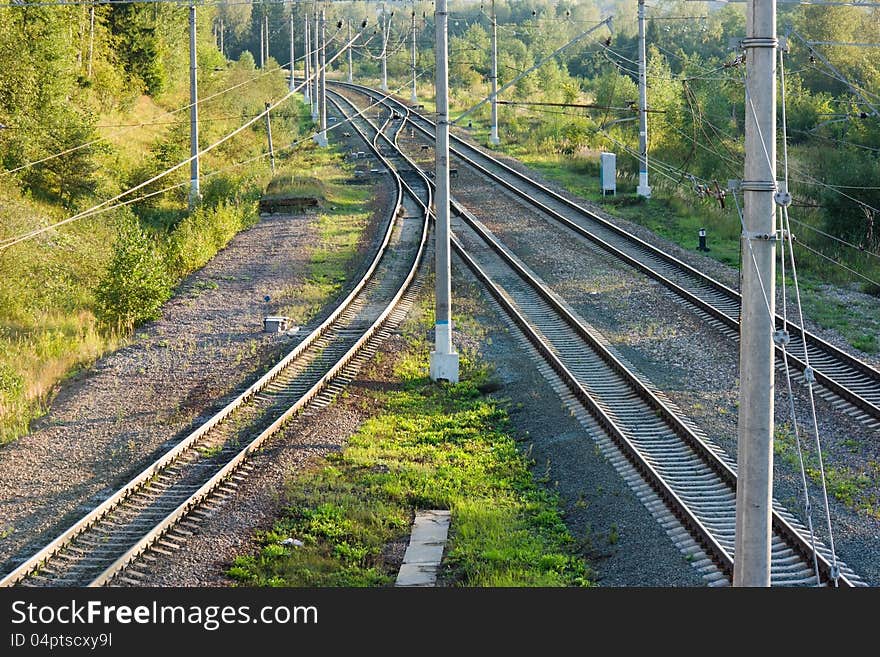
(350,72)
(292,53)
(316,67)
(414,97)
(755,432)
(643,189)
(195,195)
(322,78)
(444,361)
(384,50)
(269,135)
(493,135)
(307,64)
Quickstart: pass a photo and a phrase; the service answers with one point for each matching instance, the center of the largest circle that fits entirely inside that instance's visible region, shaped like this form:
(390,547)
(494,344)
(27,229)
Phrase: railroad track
(846,382)
(157,509)
(685,480)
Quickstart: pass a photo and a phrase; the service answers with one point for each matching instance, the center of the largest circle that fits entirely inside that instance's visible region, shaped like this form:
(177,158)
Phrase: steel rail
(719,467)
(841,388)
(722,469)
(200,495)
(138,483)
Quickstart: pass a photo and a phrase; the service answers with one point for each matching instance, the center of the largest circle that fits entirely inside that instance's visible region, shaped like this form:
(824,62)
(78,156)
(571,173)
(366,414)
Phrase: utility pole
(322,78)
(269,134)
(262,42)
(316,67)
(754,489)
(643,189)
(306,72)
(222,44)
(350,72)
(493,135)
(266,30)
(292,54)
(195,195)
(384,50)
(444,361)
(414,97)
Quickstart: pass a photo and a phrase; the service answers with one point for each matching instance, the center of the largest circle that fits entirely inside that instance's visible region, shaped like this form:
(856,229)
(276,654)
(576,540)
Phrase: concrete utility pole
(266,30)
(195,194)
(414,97)
(222,43)
(754,490)
(322,77)
(535,66)
(306,72)
(292,54)
(444,361)
(269,134)
(350,71)
(384,50)
(493,136)
(316,67)
(262,43)
(643,189)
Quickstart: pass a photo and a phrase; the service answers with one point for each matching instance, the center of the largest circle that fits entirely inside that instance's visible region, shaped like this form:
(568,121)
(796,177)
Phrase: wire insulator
(781,337)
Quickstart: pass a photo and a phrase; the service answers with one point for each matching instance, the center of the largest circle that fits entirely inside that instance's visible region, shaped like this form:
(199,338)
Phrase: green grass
(850,485)
(296,185)
(340,226)
(667,214)
(49,325)
(429,447)
(679,219)
(857,320)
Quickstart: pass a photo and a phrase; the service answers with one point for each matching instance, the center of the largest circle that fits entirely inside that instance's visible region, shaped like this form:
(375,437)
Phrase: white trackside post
(444,361)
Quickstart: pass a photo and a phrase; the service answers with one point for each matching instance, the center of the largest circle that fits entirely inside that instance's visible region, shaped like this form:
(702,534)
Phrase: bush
(204,231)
(136,283)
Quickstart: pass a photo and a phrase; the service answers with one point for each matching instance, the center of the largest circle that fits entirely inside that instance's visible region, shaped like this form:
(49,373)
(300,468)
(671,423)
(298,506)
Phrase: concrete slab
(416,575)
(425,550)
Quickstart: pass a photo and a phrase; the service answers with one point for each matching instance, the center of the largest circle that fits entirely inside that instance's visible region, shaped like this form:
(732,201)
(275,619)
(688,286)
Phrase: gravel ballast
(111,420)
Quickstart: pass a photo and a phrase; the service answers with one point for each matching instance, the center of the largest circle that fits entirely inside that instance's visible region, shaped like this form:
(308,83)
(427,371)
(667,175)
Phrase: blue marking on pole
(442,321)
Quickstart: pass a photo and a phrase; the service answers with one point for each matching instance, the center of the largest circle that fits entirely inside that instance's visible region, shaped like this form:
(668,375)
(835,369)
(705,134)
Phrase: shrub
(204,231)
(136,283)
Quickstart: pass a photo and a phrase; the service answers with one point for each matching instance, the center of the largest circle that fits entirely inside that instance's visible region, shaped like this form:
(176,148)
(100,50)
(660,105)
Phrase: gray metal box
(608,172)
(275,324)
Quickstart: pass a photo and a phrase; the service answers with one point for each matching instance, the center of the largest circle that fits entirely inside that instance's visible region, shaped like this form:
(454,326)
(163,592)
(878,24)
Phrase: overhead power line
(628,108)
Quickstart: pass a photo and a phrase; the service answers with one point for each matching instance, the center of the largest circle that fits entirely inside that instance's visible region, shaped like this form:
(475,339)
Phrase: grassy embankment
(77,292)
(426,446)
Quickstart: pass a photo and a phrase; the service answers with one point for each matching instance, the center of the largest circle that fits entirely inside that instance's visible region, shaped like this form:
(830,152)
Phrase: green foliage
(137,283)
(147,37)
(432,446)
(205,231)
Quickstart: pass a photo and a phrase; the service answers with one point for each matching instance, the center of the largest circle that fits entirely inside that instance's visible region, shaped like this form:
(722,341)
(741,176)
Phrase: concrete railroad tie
(425,549)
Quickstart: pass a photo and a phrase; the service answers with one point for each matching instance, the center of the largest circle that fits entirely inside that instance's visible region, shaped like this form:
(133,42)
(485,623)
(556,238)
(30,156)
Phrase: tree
(136,283)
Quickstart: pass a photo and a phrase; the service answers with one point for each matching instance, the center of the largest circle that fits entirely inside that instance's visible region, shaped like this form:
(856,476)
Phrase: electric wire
(783,343)
(11,241)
